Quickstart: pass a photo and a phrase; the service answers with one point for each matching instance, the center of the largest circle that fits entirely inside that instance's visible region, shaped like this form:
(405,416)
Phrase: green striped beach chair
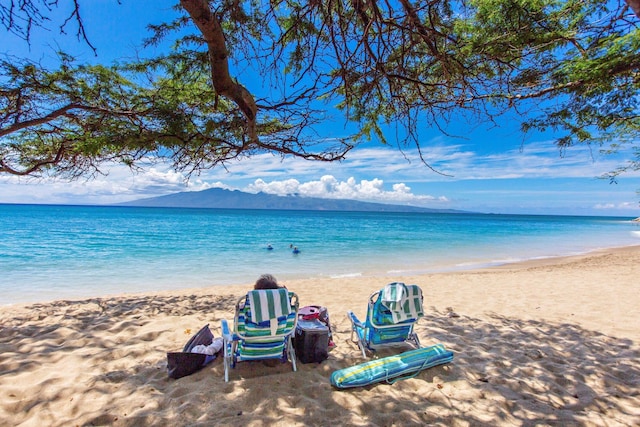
(391,315)
(264,324)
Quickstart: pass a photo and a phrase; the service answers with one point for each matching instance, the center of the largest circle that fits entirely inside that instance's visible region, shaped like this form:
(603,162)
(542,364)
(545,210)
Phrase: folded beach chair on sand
(264,324)
(391,314)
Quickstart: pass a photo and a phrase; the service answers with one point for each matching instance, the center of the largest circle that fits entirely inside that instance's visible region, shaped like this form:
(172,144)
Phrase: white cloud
(616,206)
(331,188)
(286,187)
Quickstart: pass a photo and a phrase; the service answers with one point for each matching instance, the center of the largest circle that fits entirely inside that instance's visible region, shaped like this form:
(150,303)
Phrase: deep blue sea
(70,252)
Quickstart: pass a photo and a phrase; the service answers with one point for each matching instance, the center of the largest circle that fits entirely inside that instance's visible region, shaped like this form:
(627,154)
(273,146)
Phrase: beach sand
(551,342)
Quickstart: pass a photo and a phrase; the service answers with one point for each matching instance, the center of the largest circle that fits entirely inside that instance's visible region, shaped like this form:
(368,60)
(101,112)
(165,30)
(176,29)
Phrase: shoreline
(86,254)
(554,341)
(391,276)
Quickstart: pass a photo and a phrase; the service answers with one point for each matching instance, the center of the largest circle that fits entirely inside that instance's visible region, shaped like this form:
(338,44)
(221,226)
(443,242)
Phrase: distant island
(218,198)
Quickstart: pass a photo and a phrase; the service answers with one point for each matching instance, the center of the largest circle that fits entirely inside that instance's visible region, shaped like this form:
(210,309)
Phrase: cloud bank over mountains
(533,178)
(328,187)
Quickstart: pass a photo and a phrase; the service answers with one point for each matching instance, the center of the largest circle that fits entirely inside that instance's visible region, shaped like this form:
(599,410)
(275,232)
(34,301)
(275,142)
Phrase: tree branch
(63,111)
(635,6)
(209,25)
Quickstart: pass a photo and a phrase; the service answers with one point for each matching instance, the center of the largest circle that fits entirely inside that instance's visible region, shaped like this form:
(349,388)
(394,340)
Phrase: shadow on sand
(506,371)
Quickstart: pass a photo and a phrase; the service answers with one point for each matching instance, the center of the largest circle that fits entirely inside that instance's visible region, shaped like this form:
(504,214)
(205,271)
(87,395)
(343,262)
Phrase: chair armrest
(354,319)
(293,297)
(226,332)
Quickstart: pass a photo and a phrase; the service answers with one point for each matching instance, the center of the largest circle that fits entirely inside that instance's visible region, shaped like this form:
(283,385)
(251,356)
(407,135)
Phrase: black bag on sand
(181,364)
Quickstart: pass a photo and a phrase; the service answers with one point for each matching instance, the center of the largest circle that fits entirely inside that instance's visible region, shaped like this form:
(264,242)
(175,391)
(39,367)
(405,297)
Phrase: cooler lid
(314,324)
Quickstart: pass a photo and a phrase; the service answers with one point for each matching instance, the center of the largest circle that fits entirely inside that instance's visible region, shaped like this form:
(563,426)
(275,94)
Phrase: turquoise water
(66,252)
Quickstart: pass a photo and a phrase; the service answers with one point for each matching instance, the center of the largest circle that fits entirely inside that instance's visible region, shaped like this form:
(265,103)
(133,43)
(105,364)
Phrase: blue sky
(488,170)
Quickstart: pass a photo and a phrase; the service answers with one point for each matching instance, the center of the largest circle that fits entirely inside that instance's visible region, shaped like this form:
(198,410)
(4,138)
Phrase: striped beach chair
(391,315)
(264,324)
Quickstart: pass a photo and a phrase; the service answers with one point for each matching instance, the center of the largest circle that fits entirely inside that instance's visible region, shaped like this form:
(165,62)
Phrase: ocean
(51,252)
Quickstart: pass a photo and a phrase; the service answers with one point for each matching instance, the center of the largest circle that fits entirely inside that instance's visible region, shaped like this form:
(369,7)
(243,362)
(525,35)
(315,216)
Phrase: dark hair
(266,281)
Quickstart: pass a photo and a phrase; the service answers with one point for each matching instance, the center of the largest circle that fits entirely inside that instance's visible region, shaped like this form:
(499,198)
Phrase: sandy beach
(551,342)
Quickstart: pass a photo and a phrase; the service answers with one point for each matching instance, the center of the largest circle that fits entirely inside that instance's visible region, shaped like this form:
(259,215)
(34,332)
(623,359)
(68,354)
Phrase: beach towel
(393,294)
(392,368)
(269,305)
(403,301)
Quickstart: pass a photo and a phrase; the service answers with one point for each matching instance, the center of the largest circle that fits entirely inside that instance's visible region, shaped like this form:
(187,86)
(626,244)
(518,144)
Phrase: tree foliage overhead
(571,66)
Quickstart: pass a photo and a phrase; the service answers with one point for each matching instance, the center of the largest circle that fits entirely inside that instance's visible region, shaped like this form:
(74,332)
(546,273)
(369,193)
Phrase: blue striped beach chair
(391,315)
(264,324)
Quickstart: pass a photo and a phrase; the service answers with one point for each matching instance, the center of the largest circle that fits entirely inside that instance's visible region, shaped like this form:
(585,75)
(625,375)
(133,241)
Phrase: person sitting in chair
(267,281)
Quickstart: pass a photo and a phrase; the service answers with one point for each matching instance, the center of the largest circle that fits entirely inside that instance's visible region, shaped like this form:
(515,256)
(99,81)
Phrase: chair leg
(228,354)
(355,337)
(416,340)
(364,352)
(361,344)
(292,354)
(357,332)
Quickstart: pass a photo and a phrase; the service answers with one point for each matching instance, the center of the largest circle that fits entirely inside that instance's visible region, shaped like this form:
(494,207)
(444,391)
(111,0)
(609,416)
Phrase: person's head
(266,281)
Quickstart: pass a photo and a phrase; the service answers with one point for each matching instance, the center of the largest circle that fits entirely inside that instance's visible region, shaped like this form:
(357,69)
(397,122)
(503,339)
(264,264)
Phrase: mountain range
(233,199)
